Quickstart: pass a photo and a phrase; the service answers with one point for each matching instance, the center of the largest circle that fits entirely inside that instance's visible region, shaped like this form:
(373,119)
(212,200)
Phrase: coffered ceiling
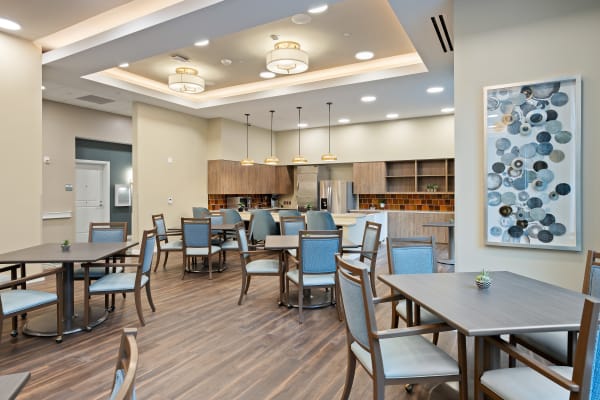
(84,43)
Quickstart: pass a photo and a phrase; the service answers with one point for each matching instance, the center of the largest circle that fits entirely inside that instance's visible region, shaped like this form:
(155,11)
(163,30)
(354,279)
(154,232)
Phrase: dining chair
(556,346)
(315,265)
(367,253)
(320,221)
(197,242)
(230,244)
(392,356)
(162,243)
(537,380)
(254,263)
(123,387)
(104,232)
(125,282)
(261,225)
(19,300)
(200,212)
(413,255)
(230,216)
(216,218)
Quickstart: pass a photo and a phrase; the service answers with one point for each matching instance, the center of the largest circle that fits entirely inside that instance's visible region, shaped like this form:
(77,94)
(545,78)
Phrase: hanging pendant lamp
(299,159)
(247,161)
(272,159)
(329,156)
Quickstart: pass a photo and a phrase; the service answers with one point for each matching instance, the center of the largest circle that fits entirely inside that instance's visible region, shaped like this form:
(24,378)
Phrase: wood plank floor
(199,344)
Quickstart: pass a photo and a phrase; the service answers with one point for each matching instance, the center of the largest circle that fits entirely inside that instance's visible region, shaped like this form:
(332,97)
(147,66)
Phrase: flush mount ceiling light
(186,80)
(272,159)
(287,58)
(329,156)
(247,161)
(299,159)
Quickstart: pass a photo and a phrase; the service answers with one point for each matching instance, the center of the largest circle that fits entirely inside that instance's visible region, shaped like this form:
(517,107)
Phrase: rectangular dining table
(45,324)
(513,304)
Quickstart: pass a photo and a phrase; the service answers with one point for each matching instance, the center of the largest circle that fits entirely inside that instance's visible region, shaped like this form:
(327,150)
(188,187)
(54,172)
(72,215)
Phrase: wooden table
(45,324)
(513,304)
(450,227)
(11,385)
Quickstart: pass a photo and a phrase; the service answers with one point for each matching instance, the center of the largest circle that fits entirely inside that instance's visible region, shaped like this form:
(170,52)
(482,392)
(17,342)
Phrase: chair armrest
(533,364)
(107,265)
(385,299)
(411,331)
(259,252)
(50,271)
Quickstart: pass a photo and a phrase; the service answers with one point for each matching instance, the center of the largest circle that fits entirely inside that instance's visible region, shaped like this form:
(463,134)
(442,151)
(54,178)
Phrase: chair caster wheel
(14,333)
(409,388)
(59,339)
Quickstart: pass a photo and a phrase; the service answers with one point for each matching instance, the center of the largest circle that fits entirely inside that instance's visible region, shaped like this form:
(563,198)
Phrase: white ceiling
(90,39)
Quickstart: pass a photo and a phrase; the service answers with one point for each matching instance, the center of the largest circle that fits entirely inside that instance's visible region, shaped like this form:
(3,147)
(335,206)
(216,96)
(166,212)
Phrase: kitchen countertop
(345,219)
(367,211)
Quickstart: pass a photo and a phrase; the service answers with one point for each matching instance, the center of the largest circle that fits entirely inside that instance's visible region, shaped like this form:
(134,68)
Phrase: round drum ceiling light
(186,80)
(287,58)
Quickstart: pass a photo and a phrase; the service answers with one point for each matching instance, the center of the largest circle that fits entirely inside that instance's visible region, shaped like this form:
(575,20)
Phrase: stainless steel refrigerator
(336,196)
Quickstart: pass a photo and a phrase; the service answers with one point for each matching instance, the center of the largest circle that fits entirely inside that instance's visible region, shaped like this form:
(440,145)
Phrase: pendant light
(272,159)
(329,156)
(247,161)
(299,159)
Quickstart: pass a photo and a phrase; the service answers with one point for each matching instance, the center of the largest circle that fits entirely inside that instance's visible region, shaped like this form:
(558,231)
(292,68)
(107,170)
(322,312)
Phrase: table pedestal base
(313,298)
(45,325)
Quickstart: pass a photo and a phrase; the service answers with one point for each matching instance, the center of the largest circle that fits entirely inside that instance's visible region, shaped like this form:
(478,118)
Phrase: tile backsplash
(409,201)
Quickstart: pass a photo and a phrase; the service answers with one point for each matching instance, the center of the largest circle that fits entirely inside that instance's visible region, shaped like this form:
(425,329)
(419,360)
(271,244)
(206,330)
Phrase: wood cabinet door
(284,183)
(369,177)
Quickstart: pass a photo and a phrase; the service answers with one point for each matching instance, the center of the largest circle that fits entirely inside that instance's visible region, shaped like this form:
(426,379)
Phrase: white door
(92,204)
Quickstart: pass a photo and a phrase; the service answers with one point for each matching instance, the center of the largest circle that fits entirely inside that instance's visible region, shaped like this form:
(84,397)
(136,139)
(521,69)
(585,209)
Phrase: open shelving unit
(413,176)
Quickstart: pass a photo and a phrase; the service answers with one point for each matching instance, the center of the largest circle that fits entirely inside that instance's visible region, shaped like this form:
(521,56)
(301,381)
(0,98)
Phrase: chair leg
(209,266)
(512,362)
(394,315)
(15,326)
(186,262)
(436,336)
(138,306)
(300,304)
(86,307)
(244,286)
(149,295)
(372,273)
(248,278)
(166,258)
(350,371)
(157,260)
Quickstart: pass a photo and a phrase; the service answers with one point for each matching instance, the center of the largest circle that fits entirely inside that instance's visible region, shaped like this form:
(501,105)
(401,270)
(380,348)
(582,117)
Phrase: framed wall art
(533,164)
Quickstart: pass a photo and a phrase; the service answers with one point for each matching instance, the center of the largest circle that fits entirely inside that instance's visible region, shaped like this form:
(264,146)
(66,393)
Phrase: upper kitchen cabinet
(369,177)
(230,177)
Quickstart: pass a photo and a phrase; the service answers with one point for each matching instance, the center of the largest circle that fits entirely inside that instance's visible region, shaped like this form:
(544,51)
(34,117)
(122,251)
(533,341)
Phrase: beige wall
(20,143)
(158,135)
(514,41)
(62,123)
(428,137)
(233,141)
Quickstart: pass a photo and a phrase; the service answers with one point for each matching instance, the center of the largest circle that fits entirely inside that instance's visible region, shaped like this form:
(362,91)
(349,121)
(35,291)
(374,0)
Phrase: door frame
(106,184)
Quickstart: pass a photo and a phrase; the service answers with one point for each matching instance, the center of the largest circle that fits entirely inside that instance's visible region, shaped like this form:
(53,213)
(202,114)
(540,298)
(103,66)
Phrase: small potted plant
(382,203)
(240,207)
(308,206)
(483,280)
(434,187)
(65,245)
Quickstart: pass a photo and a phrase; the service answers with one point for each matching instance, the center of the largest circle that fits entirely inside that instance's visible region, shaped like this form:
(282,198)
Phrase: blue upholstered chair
(127,360)
(391,356)
(367,253)
(315,264)
(261,225)
(537,380)
(414,255)
(254,263)
(216,218)
(19,300)
(197,242)
(230,216)
(125,282)
(554,346)
(163,245)
(320,221)
(104,232)
(200,212)
(288,213)
(292,225)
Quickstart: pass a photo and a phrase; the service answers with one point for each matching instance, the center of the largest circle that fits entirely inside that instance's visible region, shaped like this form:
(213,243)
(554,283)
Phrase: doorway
(92,195)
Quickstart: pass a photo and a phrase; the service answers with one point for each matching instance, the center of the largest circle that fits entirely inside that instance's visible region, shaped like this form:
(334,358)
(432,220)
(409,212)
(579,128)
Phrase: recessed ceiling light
(368,99)
(318,9)
(226,62)
(124,65)
(343,120)
(267,75)
(301,19)
(364,55)
(447,109)
(202,43)
(347,34)
(10,25)
(43,87)
(391,115)
(435,89)
(302,125)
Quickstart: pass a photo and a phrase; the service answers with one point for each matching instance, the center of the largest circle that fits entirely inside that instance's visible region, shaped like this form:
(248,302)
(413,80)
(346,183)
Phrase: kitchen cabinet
(410,224)
(369,177)
(230,177)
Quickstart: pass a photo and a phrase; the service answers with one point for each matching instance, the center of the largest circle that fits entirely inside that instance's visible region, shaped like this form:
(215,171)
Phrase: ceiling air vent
(95,99)
(447,45)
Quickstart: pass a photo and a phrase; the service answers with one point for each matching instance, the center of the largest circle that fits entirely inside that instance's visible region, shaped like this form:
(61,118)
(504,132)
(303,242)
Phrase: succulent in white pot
(483,280)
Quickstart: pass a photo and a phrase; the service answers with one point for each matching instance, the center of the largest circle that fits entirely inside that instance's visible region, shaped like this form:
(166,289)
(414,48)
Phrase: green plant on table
(66,243)
(483,280)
